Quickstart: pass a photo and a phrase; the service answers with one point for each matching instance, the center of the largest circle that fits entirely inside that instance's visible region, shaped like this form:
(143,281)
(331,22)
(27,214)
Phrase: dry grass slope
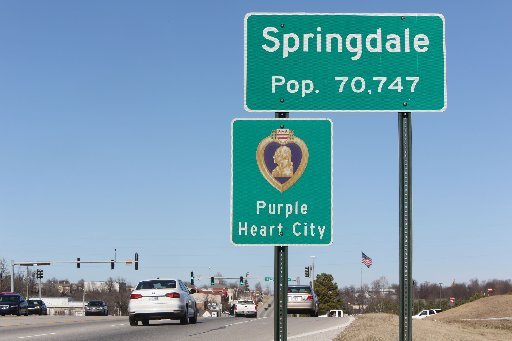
(449,325)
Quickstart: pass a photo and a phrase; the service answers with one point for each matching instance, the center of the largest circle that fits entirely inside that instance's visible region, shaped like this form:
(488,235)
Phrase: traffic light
(241,280)
(136,261)
(191,277)
(306,271)
(212,280)
(39,273)
(111,264)
(78,262)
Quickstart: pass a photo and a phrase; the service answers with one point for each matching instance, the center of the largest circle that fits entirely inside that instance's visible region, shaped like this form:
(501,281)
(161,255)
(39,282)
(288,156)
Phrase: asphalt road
(57,328)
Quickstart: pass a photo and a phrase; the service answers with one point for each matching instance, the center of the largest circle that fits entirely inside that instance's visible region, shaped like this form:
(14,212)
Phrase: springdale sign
(345,62)
(281,190)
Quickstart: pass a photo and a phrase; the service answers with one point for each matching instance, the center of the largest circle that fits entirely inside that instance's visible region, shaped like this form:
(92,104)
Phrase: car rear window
(96,303)
(157,284)
(245,302)
(9,298)
(299,290)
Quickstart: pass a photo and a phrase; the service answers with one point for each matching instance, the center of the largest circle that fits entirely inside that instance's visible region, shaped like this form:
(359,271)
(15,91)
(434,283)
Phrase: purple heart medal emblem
(282,158)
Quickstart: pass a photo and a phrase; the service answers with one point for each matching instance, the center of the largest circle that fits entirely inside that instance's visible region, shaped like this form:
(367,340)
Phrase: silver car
(157,299)
(302,300)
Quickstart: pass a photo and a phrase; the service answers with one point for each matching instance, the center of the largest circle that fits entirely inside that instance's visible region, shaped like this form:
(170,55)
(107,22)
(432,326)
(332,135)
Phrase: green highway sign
(271,279)
(281,182)
(344,62)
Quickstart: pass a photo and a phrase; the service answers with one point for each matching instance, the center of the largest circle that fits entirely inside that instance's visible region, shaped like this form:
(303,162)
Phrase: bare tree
(5,276)
(221,281)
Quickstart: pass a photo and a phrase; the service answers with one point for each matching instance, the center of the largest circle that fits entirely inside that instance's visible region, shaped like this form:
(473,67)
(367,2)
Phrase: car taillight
(135,296)
(172,295)
(310,298)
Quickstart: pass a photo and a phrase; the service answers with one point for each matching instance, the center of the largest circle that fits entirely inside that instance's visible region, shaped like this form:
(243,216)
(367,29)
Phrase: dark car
(96,307)
(37,307)
(12,303)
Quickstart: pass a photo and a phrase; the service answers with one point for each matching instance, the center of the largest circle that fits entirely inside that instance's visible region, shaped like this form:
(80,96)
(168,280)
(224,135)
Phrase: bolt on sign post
(281,182)
(344,62)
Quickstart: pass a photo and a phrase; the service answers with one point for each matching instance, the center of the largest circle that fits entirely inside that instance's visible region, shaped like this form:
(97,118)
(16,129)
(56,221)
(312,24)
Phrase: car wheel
(18,312)
(193,320)
(26,312)
(145,322)
(133,321)
(184,319)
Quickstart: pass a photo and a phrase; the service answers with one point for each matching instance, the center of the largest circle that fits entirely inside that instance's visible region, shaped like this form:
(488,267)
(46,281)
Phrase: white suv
(156,299)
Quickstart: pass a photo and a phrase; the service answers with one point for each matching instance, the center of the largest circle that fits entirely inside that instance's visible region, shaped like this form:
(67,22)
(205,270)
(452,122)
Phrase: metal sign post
(280,292)
(405,325)
(281,283)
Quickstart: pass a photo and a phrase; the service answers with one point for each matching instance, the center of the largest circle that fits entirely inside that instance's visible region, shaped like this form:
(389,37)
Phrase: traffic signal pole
(78,262)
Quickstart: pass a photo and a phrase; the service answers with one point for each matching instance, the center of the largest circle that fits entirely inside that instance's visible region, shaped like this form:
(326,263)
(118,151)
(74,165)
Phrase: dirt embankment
(486,319)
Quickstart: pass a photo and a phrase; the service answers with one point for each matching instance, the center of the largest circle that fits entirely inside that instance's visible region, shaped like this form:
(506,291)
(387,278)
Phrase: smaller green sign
(281,182)
(271,279)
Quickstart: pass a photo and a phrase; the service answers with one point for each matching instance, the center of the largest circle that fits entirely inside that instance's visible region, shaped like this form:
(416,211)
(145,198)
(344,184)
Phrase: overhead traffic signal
(192,278)
(39,273)
(212,280)
(112,264)
(78,262)
(136,261)
(241,280)
(306,271)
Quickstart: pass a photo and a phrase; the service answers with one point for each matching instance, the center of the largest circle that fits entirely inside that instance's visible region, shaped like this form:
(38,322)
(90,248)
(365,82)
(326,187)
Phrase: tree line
(380,296)
(114,291)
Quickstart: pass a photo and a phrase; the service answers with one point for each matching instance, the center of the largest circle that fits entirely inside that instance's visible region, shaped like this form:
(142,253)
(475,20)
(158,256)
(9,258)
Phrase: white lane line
(341,326)
(37,335)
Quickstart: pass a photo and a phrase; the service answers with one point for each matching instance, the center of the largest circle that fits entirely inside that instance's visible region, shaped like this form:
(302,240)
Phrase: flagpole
(361,301)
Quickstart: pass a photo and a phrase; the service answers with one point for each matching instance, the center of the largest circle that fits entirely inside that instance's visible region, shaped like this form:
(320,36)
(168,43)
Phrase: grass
(465,323)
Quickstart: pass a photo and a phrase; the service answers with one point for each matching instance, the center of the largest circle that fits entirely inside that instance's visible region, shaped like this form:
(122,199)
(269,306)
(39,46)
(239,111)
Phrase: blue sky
(115,134)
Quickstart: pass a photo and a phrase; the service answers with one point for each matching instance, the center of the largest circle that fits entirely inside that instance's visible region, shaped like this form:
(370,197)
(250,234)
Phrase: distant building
(102,286)
(63,306)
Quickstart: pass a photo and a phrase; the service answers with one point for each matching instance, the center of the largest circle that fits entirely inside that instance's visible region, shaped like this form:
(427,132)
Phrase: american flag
(366,260)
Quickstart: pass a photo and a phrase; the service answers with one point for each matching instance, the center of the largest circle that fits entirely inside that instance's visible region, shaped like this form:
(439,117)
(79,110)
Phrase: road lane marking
(226,326)
(37,335)
(341,326)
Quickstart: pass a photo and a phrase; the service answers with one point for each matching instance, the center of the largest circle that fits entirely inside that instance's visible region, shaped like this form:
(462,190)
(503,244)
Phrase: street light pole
(12,275)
